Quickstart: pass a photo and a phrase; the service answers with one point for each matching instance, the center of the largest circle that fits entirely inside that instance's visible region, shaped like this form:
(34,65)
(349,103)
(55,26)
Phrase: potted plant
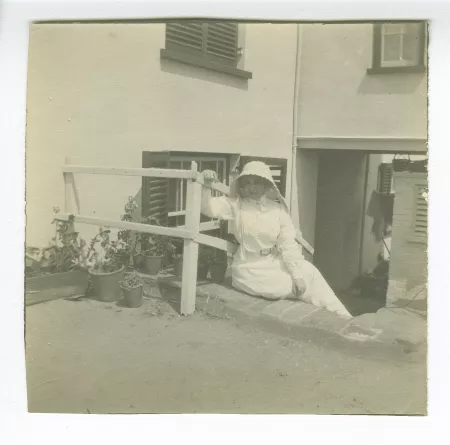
(205,259)
(132,289)
(219,265)
(205,256)
(62,255)
(58,270)
(126,243)
(121,251)
(153,248)
(105,271)
(374,282)
(175,253)
(400,164)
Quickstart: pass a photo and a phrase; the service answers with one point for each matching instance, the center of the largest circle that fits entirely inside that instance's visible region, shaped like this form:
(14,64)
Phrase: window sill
(204,63)
(397,69)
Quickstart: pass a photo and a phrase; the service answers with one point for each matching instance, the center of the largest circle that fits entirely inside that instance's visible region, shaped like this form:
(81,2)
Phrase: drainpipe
(293,205)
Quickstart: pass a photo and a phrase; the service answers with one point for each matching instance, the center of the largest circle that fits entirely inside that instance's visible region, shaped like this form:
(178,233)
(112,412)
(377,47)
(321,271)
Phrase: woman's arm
(290,250)
(214,207)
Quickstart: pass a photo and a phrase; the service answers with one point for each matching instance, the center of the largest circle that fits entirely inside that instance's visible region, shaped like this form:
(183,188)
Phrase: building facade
(362,100)
(113,94)
(322,104)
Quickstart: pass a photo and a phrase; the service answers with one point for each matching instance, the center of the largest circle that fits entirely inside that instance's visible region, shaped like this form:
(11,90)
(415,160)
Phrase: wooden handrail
(218,186)
(190,232)
(147,172)
(125,225)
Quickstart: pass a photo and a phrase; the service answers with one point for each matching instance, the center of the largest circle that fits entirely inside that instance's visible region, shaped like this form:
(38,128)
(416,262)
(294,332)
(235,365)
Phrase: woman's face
(253,187)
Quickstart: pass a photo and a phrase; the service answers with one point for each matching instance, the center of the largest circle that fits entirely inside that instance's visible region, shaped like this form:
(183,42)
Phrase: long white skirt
(268,277)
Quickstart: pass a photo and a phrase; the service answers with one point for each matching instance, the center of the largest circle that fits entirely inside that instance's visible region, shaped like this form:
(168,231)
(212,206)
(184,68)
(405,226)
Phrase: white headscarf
(255,168)
(258,168)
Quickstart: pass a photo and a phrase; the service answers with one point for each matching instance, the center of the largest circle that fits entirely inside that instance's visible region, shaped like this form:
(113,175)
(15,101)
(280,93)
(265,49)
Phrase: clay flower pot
(202,271)
(137,260)
(178,266)
(218,272)
(152,263)
(106,284)
(133,297)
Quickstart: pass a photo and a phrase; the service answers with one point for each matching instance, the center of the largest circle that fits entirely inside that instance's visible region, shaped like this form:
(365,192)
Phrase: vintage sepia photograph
(226,217)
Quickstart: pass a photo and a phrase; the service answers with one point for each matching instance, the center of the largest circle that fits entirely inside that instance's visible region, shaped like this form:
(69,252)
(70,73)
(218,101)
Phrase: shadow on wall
(194,72)
(390,84)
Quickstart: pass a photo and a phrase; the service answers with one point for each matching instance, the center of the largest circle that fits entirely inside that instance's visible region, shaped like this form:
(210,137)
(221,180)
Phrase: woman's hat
(258,168)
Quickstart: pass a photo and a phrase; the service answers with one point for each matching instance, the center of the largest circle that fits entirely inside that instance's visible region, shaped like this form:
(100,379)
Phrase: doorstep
(387,334)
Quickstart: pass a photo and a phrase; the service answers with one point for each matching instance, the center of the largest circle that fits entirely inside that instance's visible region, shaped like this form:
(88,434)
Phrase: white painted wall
(339,99)
(307,169)
(101,95)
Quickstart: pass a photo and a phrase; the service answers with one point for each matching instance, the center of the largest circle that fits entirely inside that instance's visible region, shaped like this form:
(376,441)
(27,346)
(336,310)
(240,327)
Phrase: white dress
(269,260)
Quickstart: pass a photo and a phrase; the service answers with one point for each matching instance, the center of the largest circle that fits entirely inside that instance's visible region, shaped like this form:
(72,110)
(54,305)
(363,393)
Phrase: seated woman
(269,262)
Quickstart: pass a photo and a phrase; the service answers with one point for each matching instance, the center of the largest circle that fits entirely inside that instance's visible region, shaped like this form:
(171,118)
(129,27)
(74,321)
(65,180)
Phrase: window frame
(201,58)
(188,158)
(377,50)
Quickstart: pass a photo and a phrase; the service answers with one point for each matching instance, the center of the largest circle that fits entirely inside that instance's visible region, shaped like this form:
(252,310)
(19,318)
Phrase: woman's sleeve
(218,207)
(291,251)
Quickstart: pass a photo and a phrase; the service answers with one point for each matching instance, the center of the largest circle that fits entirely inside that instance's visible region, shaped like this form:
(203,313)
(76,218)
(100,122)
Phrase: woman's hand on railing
(209,176)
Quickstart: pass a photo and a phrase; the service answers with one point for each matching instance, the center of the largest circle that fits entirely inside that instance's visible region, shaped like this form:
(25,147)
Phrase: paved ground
(85,356)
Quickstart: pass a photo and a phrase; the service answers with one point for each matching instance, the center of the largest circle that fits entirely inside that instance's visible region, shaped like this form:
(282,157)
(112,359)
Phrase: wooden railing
(190,232)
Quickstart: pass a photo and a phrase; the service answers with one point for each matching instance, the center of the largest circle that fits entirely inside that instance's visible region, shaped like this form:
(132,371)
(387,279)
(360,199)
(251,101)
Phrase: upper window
(214,40)
(213,45)
(398,47)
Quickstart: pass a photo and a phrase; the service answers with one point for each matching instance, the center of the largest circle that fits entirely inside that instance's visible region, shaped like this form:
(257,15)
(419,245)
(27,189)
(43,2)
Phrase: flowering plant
(101,255)
(131,281)
(126,239)
(65,251)
(151,243)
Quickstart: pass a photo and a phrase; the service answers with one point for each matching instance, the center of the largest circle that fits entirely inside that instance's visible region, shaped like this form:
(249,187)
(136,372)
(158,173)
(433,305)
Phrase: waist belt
(263,252)
(269,251)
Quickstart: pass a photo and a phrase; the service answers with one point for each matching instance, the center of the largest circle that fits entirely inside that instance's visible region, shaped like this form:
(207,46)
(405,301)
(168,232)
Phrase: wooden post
(68,186)
(190,252)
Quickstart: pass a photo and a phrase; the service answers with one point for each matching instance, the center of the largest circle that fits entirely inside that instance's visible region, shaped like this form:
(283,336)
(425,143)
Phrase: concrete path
(85,356)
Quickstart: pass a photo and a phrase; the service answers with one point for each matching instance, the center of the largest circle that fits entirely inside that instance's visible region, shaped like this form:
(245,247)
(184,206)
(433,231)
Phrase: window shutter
(277,166)
(421,216)
(188,34)
(385,178)
(221,40)
(155,191)
(216,41)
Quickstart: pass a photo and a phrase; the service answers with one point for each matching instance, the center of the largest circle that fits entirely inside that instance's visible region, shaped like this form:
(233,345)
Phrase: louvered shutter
(187,34)
(155,191)
(277,166)
(421,214)
(217,41)
(221,40)
(385,178)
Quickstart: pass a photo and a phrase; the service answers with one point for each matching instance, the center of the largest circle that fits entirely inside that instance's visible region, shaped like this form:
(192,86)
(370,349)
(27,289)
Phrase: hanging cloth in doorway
(375,211)
(387,207)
